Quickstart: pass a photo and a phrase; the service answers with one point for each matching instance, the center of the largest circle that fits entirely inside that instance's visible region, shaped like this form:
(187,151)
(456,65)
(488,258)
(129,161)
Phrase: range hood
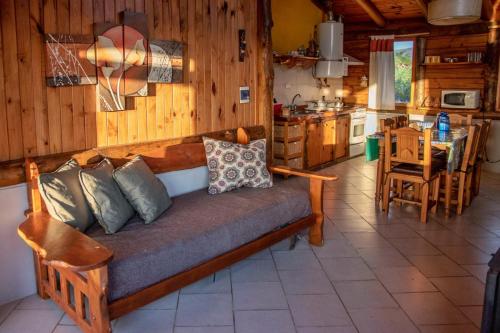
(333,62)
(451,12)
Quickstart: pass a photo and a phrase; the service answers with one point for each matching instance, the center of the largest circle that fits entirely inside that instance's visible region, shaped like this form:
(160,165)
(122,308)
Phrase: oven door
(357,132)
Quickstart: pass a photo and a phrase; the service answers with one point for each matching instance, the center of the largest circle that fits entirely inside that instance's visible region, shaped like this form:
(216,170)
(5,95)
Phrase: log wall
(36,120)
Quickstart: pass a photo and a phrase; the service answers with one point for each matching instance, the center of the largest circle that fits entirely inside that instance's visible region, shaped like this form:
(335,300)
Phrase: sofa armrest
(59,244)
(284,170)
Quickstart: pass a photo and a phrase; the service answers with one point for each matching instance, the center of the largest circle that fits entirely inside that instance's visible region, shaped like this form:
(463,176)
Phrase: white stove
(357,135)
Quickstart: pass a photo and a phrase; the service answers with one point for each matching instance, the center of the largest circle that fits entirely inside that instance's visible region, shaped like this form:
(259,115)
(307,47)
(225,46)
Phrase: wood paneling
(436,78)
(36,120)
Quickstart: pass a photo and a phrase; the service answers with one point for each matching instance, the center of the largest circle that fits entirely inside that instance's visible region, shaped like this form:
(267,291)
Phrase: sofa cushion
(234,165)
(63,196)
(198,227)
(107,202)
(143,190)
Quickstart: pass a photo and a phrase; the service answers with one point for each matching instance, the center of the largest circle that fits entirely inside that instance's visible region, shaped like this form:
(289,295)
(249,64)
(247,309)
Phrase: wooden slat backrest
(471,147)
(457,119)
(161,156)
(408,149)
(401,121)
(483,139)
(387,123)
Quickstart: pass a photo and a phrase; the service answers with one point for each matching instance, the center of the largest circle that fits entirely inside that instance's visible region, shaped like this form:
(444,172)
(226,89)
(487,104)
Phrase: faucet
(293,107)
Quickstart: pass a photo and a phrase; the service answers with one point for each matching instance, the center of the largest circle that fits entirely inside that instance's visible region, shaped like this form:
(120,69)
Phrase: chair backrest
(387,123)
(408,149)
(483,139)
(457,119)
(402,121)
(471,147)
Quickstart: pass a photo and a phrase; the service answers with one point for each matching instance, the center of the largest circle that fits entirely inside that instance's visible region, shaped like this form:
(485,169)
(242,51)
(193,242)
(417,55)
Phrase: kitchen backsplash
(289,82)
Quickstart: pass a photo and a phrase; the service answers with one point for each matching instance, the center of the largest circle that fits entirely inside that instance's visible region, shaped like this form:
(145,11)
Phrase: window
(403,60)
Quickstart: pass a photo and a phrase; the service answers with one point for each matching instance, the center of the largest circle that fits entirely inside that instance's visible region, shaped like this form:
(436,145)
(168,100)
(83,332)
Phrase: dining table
(451,141)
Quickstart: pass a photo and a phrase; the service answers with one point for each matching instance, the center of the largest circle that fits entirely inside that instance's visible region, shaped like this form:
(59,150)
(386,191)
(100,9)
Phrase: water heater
(331,50)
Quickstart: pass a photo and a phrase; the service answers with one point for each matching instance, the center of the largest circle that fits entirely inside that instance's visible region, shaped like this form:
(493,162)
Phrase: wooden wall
(436,78)
(36,120)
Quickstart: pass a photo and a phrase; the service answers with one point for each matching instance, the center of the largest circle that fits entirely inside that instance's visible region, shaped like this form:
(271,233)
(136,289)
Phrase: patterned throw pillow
(233,165)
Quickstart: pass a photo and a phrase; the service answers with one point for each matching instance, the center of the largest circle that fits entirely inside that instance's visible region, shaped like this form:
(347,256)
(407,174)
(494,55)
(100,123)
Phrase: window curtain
(381,95)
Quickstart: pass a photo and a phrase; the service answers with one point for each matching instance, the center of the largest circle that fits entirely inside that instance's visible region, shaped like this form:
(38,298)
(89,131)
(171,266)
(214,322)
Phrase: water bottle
(443,122)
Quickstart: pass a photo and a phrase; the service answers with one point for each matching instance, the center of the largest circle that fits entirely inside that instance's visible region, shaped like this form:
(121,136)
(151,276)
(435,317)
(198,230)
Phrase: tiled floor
(376,273)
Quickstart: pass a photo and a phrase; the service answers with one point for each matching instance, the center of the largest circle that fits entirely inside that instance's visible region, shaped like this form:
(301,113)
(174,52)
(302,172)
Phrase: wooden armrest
(284,170)
(59,244)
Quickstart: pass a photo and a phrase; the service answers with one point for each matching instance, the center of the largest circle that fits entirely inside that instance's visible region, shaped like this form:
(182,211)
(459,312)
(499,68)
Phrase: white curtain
(381,95)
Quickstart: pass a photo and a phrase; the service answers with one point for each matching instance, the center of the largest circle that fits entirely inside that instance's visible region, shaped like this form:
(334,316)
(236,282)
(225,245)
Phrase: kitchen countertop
(320,115)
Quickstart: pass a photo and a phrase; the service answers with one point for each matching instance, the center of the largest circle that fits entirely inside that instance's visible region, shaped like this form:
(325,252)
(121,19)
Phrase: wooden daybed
(72,268)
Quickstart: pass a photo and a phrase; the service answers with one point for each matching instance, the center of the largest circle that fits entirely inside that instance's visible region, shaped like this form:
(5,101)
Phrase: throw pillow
(106,200)
(233,165)
(143,190)
(63,196)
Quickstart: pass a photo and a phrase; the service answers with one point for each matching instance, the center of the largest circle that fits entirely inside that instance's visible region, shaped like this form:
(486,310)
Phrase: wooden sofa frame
(79,283)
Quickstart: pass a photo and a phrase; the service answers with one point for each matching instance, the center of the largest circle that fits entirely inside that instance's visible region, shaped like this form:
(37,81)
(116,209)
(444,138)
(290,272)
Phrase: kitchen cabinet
(289,143)
(327,140)
(342,137)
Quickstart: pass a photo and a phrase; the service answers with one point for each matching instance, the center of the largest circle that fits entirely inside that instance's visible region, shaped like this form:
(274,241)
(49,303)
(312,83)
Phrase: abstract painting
(67,61)
(120,59)
(165,62)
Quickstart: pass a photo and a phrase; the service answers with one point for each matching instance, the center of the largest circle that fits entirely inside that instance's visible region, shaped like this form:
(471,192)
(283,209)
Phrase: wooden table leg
(380,172)
(447,193)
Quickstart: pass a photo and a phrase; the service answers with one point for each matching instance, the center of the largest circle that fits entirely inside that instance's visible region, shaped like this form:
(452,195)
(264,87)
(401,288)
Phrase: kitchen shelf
(450,64)
(296,61)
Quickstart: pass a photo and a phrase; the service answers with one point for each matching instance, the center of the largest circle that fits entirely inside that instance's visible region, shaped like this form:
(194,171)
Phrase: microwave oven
(460,99)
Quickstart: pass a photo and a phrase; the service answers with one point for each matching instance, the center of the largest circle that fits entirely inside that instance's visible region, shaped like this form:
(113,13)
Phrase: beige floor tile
(204,310)
(258,296)
(415,247)
(396,231)
(430,309)
(30,321)
(305,282)
(364,294)
(488,245)
(278,321)
(254,271)
(479,271)
(67,329)
(366,240)
(465,255)
(146,321)
(437,266)
(327,329)
(318,310)
(448,329)
(383,257)
(353,225)
(335,204)
(347,269)
(470,230)
(218,283)
(474,313)
(382,321)
(204,329)
(403,279)
(461,290)
(34,302)
(337,248)
(443,237)
(341,214)
(296,260)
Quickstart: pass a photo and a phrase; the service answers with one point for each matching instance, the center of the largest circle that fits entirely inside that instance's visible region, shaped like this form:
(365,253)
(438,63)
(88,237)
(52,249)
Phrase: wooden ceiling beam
(422,4)
(372,11)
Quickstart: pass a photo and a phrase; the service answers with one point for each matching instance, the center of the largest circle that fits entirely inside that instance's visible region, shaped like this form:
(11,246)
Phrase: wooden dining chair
(387,123)
(462,176)
(481,155)
(407,164)
(457,119)
(402,121)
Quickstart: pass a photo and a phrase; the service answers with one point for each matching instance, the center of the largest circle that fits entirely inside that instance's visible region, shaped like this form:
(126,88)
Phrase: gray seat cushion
(196,228)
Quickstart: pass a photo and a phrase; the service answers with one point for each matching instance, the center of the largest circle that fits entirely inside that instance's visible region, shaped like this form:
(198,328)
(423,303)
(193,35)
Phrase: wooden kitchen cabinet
(342,137)
(327,141)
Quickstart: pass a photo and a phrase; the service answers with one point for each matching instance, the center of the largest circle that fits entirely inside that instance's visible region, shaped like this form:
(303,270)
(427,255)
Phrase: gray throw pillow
(63,196)
(106,200)
(143,190)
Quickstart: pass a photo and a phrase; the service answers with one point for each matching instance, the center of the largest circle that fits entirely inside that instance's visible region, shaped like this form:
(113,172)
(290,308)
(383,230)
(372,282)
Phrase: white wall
(288,82)
(17,276)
